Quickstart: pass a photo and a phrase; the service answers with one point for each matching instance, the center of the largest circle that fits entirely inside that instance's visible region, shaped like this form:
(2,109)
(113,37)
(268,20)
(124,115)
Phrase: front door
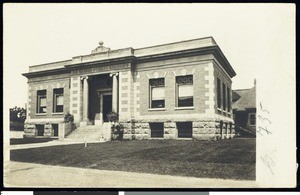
(106,106)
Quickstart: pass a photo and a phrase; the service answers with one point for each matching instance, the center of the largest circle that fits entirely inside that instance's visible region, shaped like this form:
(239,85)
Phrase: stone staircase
(91,133)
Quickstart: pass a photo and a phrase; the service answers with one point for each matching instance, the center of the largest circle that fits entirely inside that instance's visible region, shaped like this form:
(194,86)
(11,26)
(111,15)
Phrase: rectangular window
(40,130)
(157,130)
(252,119)
(228,100)
(185,91)
(41,101)
(157,93)
(185,129)
(224,97)
(58,100)
(55,130)
(219,93)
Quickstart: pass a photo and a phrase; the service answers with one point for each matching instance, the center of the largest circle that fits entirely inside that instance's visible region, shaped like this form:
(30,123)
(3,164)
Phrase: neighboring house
(171,91)
(244,110)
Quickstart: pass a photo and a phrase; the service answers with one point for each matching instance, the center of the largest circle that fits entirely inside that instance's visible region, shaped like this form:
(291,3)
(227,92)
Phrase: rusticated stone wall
(203,129)
(29,130)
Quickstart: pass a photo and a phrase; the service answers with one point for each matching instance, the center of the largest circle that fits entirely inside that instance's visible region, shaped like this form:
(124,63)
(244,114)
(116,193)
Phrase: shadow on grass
(16,141)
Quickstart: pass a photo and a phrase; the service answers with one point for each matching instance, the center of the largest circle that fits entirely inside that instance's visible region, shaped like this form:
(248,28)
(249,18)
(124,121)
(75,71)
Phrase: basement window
(185,129)
(157,130)
(40,130)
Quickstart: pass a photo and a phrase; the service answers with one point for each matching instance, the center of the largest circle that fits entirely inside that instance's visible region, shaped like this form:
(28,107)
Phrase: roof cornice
(45,72)
(127,59)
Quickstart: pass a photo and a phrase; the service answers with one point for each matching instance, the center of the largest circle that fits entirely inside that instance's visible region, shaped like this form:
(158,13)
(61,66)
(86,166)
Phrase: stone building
(170,91)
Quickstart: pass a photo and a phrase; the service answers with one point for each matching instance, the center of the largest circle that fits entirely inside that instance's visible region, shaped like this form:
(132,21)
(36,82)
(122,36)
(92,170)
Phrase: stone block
(169,136)
(169,130)
(139,131)
(141,136)
(127,137)
(145,125)
(211,137)
(169,125)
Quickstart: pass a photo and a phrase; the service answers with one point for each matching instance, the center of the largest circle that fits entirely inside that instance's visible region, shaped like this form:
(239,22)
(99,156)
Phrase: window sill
(156,109)
(184,108)
(41,114)
(57,113)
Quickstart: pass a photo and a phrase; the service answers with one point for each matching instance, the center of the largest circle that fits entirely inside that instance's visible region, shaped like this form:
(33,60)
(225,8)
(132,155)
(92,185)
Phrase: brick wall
(39,84)
(170,73)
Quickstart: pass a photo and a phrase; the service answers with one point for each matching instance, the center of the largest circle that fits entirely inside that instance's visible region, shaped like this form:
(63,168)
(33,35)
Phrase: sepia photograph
(148,95)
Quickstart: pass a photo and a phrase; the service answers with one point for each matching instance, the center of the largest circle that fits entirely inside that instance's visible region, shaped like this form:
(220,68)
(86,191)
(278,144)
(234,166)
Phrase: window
(224,97)
(40,130)
(185,129)
(228,100)
(157,93)
(55,129)
(252,119)
(218,93)
(157,130)
(58,100)
(41,101)
(184,92)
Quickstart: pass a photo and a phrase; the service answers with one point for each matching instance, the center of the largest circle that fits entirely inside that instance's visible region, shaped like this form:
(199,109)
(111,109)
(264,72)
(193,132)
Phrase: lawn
(16,141)
(226,159)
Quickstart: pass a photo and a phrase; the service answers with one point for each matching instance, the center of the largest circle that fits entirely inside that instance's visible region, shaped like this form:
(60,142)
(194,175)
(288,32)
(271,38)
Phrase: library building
(179,90)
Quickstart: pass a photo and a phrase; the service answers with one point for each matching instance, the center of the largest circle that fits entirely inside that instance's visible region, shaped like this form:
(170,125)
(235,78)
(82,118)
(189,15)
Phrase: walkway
(37,175)
(50,143)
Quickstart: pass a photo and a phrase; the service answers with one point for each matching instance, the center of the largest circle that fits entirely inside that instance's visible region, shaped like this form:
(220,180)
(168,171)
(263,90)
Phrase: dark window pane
(55,129)
(228,99)
(224,97)
(40,130)
(219,93)
(59,108)
(185,129)
(185,101)
(157,130)
(158,104)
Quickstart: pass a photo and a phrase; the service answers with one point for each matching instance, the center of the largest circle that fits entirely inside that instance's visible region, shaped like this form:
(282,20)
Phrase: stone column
(85,99)
(114,92)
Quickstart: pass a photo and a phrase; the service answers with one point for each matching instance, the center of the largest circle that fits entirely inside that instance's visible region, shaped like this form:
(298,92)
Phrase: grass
(226,159)
(16,141)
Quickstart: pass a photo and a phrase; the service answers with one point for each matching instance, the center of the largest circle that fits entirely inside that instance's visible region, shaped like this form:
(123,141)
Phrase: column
(85,99)
(114,92)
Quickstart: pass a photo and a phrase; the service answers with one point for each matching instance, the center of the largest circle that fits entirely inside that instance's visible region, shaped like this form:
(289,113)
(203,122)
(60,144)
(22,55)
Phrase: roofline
(188,40)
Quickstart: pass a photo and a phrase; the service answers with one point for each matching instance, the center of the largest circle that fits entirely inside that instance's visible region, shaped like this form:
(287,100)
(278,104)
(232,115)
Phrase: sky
(250,35)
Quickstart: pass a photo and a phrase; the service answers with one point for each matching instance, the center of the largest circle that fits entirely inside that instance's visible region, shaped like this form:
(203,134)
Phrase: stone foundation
(31,131)
(204,129)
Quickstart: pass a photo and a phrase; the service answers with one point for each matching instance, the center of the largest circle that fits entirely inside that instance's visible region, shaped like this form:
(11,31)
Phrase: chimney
(254,82)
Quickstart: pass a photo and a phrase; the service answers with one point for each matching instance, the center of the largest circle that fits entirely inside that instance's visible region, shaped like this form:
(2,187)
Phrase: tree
(17,114)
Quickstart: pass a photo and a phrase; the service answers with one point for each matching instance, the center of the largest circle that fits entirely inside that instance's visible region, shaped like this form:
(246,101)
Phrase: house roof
(247,99)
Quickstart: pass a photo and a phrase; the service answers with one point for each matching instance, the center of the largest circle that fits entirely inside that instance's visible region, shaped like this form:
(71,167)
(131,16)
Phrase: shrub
(68,118)
(112,116)
(117,131)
